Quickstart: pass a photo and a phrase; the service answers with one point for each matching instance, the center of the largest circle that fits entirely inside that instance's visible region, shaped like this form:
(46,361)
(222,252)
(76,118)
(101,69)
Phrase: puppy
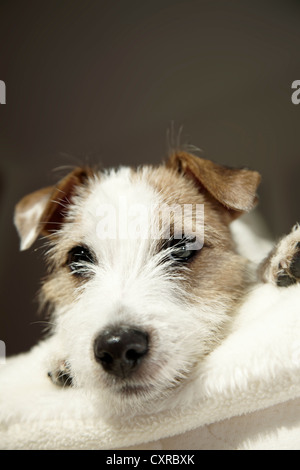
(139,288)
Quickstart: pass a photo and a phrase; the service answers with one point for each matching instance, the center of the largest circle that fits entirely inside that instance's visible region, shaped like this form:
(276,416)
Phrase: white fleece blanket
(247,394)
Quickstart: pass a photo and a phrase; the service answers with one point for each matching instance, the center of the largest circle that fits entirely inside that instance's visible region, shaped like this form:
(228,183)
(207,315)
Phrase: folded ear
(234,188)
(42,212)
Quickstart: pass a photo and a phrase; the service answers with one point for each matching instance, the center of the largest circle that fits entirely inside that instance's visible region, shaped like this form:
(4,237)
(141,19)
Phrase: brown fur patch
(234,188)
(60,287)
(217,272)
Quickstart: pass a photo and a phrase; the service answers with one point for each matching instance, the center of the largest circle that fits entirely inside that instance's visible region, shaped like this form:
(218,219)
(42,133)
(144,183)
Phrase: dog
(135,311)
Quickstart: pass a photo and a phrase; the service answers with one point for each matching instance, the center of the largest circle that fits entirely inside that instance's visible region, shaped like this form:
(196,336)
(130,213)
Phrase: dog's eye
(181,249)
(78,257)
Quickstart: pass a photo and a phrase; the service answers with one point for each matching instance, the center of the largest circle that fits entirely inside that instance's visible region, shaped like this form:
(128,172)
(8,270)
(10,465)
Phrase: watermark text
(2,92)
(133,221)
(296,94)
(2,352)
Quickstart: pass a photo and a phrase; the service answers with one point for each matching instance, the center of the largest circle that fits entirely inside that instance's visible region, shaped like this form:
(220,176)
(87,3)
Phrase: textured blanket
(247,394)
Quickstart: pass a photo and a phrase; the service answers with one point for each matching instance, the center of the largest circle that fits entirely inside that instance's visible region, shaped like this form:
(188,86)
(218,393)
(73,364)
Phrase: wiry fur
(185,308)
(131,285)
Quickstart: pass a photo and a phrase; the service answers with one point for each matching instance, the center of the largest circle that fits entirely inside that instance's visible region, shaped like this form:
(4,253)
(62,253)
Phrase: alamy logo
(2,352)
(296,95)
(134,221)
(2,92)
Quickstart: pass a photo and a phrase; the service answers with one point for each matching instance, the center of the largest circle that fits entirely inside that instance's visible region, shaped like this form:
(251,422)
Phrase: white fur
(129,286)
(255,372)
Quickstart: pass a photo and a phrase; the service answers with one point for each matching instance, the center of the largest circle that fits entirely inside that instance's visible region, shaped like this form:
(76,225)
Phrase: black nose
(120,350)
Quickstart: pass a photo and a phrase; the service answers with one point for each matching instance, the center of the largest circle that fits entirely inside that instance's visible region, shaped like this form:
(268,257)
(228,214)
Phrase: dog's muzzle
(121,349)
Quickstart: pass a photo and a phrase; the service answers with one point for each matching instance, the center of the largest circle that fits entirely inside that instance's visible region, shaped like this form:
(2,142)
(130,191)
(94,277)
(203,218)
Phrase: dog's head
(143,273)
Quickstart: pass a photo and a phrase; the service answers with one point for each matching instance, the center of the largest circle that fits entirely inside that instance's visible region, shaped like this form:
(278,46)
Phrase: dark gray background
(103,80)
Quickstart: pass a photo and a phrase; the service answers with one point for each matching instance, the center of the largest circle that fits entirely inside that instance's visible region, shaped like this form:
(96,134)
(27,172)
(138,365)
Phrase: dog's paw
(61,375)
(282,267)
(290,268)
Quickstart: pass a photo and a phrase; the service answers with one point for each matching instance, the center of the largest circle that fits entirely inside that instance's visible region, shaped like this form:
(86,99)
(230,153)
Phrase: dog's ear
(235,189)
(42,212)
